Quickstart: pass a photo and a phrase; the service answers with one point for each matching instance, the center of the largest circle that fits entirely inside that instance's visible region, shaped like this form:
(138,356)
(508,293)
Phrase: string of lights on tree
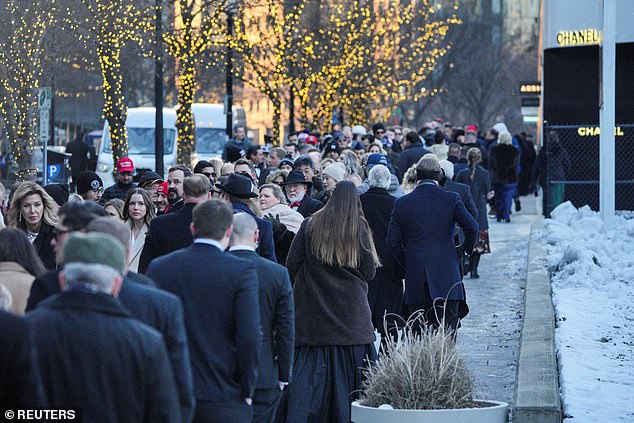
(24,26)
(196,29)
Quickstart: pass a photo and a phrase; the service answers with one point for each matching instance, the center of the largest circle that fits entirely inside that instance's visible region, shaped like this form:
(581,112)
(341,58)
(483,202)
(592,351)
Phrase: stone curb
(537,394)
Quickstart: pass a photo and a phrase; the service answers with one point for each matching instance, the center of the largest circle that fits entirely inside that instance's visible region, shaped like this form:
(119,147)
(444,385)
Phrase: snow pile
(593,293)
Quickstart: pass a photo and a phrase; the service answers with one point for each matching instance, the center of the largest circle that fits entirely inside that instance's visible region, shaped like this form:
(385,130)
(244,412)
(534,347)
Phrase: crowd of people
(250,287)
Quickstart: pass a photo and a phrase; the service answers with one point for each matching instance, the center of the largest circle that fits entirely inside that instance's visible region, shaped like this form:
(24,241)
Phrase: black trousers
(438,313)
(265,402)
(222,412)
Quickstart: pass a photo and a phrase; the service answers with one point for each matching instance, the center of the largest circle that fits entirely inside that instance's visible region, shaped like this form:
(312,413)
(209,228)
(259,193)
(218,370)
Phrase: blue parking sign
(54,171)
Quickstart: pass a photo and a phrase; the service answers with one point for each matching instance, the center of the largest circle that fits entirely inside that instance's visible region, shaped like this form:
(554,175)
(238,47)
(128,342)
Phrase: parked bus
(140,128)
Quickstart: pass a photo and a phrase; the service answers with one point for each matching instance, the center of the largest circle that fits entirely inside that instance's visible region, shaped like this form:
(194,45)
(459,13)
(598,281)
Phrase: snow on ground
(593,293)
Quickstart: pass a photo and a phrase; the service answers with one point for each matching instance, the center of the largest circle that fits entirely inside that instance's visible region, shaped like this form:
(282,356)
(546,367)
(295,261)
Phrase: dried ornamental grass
(420,371)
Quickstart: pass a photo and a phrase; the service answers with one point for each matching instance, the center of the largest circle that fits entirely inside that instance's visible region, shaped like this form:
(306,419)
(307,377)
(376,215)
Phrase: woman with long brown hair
(35,212)
(138,212)
(331,260)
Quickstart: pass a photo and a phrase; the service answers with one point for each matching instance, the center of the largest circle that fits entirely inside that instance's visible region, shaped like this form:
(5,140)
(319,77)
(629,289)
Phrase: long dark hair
(15,246)
(339,230)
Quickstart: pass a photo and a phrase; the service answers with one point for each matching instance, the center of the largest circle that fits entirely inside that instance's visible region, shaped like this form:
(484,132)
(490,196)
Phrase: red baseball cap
(162,188)
(472,128)
(311,139)
(125,165)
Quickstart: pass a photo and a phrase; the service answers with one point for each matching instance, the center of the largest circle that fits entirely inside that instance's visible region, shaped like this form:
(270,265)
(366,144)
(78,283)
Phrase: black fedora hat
(296,177)
(238,185)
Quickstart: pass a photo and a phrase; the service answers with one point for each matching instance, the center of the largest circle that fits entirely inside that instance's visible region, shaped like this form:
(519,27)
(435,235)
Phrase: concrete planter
(497,413)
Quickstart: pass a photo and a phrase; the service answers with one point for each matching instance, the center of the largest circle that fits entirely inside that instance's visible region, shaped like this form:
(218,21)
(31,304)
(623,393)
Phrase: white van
(140,127)
(211,128)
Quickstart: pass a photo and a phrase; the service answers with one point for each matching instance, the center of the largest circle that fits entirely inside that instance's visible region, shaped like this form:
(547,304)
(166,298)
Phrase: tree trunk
(115,110)
(184,116)
(277,117)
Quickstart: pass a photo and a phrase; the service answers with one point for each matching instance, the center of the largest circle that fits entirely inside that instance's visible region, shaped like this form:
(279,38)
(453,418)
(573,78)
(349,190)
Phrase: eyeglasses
(208,174)
(98,190)
(398,133)
(380,131)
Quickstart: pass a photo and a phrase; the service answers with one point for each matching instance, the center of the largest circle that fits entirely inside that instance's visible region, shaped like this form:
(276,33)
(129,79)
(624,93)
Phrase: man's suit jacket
(20,383)
(94,355)
(277,315)
(169,232)
(421,238)
(222,316)
(154,307)
(266,245)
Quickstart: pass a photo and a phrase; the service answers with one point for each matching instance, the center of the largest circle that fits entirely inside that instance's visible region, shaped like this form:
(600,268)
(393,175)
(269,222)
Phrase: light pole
(230,10)
(158,91)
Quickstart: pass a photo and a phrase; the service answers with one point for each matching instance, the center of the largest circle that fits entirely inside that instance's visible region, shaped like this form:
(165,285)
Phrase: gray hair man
(276,314)
(376,159)
(379,177)
(115,358)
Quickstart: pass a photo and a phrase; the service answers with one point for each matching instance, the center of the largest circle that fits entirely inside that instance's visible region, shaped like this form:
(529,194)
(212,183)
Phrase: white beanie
(501,128)
(358,130)
(447,167)
(336,171)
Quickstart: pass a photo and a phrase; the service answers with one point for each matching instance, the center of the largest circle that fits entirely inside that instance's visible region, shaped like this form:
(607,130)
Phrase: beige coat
(18,282)
(136,247)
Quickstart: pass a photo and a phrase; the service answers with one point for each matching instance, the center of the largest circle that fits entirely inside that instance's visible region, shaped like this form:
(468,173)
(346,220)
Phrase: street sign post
(44,100)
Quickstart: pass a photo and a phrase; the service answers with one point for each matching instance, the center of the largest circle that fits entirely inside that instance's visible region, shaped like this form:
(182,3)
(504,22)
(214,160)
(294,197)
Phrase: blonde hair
(49,214)
(473,157)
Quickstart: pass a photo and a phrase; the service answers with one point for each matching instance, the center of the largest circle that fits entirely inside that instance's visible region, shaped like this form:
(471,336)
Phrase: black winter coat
(480,186)
(154,307)
(20,384)
(503,164)
(43,246)
(95,356)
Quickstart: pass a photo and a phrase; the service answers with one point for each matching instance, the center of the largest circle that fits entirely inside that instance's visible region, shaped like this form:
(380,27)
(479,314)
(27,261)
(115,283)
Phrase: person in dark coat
(125,170)
(156,308)
(331,260)
(276,315)
(78,160)
(464,191)
(480,182)
(222,315)
(34,211)
(297,191)
(503,162)
(385,290)
(550,170)
(92,354)
(527,161)
(421,238)
(413,150)
(170,232)
(238,190)
(20,382)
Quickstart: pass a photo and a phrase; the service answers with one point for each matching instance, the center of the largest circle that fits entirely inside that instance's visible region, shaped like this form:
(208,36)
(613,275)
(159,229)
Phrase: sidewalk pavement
(490,334)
